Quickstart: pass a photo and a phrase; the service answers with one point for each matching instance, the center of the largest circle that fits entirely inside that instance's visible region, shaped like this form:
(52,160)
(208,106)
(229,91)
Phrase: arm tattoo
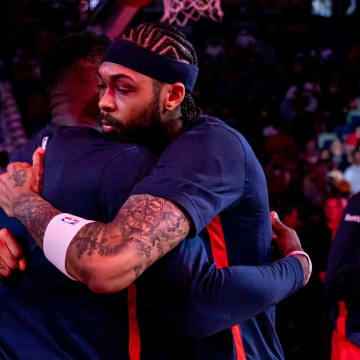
(35,213)
(145,225)
(149,225)
(18,177)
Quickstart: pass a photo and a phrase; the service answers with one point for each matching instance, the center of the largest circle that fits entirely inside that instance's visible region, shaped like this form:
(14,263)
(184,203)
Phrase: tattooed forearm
(35,213)
(145,229)
(108,257)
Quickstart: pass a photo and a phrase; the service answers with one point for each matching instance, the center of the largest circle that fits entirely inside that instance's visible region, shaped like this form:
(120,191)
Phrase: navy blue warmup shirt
(342,281)
(92,177)
(43,314)
(209,170)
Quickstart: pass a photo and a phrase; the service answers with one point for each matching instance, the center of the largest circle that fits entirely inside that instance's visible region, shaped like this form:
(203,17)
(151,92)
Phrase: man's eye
(123,90)
(101,86)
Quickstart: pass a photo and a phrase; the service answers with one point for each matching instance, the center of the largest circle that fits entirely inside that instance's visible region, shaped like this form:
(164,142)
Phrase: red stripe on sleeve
(134,332)
(218,249)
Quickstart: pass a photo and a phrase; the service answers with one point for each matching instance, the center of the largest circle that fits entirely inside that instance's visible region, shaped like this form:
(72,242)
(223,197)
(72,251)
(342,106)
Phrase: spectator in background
(333,209)
(11,128)
(352,173)
(315,182)
(337,153)
(310,156)
(278,175)
(351,141)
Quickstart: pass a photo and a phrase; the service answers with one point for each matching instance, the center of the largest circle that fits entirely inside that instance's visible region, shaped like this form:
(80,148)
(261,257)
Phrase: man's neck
(174,128)
(173,124)
(67,113)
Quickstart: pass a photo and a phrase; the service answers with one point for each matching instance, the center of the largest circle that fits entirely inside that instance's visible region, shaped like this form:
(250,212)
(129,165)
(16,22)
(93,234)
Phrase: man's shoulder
(85,141)
(216,136)
(206,127)
(211,122)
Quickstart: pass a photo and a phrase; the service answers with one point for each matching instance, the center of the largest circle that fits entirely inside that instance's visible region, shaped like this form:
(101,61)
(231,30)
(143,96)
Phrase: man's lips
(107,127)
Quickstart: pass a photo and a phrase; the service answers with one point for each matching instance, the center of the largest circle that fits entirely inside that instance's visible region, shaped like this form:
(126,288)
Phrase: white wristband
(299,252)
(58,235)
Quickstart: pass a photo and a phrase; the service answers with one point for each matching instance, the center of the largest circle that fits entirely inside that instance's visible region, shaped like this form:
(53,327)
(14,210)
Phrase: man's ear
(174,96)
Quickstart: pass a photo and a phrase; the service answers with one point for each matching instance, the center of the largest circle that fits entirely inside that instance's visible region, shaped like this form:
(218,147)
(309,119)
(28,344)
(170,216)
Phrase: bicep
(202,171)
(152,225)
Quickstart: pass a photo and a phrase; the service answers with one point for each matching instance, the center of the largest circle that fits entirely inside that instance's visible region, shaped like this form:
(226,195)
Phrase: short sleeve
(119,176)
(203,171)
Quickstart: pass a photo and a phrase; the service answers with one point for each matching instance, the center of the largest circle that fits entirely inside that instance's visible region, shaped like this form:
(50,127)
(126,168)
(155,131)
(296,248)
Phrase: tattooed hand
(20,180)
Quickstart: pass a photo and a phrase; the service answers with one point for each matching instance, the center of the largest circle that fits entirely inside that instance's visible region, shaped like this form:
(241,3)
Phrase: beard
(148,129)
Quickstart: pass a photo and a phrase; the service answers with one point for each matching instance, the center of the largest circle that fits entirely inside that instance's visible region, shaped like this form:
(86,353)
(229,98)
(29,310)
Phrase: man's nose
(107,101)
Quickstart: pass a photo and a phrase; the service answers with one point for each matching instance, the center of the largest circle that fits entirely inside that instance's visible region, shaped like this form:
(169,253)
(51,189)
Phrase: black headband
(150,63)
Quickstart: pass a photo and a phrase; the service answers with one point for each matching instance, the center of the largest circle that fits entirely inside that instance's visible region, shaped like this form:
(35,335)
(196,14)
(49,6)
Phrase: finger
(17,166)
(38,168)
(22,264)
(4,269)
(6,256)
(276,224)
(12,244)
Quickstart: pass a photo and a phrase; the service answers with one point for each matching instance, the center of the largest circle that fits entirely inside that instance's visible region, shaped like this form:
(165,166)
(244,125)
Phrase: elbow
(102,279)
(99,285)
(201,328)
(196,327)
(199,322)
(200,332)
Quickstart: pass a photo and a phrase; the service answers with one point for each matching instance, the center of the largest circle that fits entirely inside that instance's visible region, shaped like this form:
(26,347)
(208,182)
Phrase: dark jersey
(209,170)
(44,314)
(93,181)
(342,281)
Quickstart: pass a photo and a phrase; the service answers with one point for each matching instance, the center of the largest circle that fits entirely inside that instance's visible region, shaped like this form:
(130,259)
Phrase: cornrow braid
(166,40)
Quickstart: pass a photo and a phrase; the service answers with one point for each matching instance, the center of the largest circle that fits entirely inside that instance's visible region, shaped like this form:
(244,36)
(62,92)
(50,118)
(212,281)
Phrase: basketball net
(181,11)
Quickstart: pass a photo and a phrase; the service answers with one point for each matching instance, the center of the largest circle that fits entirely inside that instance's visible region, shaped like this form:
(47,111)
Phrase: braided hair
(167,41)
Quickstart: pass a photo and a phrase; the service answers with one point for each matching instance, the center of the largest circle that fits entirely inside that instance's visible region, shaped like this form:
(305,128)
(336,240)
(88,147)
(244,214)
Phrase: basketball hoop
(181,11)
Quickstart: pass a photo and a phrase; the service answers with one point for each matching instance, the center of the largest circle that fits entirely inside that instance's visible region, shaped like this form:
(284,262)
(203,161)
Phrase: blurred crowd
(299,109)
(301,113)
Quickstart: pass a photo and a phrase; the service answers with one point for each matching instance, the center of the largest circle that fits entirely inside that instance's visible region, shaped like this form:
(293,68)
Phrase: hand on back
(11,254)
